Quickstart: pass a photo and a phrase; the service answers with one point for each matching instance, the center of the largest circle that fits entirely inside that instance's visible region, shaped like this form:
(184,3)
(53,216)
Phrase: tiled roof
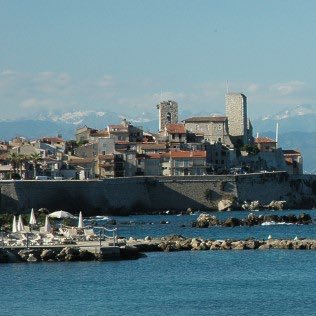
(81,161)
(260,140)
(176,128)
(205,119)
(53,139)
(153,146)
(102,133)
(290,152)
(188,154)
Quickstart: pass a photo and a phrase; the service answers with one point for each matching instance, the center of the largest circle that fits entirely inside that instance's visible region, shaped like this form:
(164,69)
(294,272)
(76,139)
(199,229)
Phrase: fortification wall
(145,194)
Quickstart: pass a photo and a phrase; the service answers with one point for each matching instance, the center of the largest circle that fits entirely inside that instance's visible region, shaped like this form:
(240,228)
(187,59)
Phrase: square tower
(236,112)
(168,113)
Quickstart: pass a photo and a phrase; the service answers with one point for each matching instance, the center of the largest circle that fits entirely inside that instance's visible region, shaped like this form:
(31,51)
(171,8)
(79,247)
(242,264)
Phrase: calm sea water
(271,282)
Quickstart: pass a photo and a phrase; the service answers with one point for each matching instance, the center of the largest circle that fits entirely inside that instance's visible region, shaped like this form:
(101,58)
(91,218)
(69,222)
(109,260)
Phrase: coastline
(132,249)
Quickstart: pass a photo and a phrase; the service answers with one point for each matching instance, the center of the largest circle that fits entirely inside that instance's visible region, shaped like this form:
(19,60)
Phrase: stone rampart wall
(144,194)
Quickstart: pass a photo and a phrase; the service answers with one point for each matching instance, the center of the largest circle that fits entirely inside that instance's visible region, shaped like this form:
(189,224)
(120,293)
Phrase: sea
(249,282)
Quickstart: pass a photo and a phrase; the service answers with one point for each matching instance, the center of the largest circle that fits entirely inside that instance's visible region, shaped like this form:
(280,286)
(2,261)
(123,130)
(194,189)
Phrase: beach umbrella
(47,226)
(32,218)
(14,225)
(80,221)
(61,214)
(20,224)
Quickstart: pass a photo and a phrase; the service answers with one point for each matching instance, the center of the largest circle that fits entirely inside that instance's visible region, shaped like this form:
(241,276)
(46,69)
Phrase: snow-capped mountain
(299,118)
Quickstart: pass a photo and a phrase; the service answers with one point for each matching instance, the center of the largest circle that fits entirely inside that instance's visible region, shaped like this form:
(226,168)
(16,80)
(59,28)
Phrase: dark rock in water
(130,252)
(305,219)
(30,253)
(111,222)
(85,255)
(32,258)
(164,222)
(48,254)
(68,254)
(232,222)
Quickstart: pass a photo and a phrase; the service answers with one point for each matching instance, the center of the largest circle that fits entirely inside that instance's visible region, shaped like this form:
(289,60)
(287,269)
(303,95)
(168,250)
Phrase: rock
(226,245)
(277,205)
(232,222)
(305,219)
(85,255)
(48,254)
(224,205)
(148,238)
(32,258)
(205,220)
(68,254)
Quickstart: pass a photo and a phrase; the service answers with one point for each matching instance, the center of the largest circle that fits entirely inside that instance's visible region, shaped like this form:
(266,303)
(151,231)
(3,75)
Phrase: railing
(107,233)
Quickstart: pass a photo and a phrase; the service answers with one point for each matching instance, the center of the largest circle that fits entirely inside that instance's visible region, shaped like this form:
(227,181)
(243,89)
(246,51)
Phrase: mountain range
(297,126)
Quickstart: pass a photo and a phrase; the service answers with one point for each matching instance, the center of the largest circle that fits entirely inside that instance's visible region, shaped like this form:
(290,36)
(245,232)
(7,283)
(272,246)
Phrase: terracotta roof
(188,154)
(107,156)
(103,133)
(81,161)
(290,152)
(176,128)
(53,139)
(153,146)
(260,140)
(205,119)
(153,156)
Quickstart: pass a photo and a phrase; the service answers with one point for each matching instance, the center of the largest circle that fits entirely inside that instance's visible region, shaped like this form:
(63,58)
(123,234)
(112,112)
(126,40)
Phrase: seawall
(139,194)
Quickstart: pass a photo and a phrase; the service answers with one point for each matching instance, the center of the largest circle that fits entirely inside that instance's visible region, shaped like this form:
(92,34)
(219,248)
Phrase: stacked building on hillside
(195,146)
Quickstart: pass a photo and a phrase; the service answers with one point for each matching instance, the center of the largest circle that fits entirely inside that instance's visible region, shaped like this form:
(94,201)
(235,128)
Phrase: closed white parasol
(32,218)
(20,224)
(47,225)
(14,225)
(80,221)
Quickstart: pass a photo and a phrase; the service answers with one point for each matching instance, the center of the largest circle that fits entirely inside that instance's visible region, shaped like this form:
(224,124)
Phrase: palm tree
(35,159)
(13,158)
(21,160)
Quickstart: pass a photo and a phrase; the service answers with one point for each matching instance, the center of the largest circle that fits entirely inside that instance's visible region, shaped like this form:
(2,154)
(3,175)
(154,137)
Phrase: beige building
(265,144)
(213,128)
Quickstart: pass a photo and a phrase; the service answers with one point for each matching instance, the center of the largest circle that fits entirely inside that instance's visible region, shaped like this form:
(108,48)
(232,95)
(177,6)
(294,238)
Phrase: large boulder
(225,205)
(206,220)
(232,222)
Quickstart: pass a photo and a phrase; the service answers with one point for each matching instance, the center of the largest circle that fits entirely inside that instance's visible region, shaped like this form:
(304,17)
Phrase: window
(168,117)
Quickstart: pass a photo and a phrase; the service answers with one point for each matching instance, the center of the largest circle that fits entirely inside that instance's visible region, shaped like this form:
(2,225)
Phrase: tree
(35,159)
(13,158)
(21,160)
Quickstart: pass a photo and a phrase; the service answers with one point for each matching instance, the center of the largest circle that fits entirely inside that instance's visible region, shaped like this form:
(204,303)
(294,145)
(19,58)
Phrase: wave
(275,223)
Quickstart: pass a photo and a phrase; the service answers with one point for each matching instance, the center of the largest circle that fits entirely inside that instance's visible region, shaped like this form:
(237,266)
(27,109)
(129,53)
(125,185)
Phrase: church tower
(168,113)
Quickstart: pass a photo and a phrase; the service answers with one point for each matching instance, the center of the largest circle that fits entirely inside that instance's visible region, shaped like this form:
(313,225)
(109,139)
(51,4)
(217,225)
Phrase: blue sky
(123,56)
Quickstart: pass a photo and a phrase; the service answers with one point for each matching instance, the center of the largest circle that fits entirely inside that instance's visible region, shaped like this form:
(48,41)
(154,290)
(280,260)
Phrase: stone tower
(168,113)
(236,112)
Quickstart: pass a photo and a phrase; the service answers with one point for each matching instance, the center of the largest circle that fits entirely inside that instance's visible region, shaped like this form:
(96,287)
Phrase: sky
(126,56)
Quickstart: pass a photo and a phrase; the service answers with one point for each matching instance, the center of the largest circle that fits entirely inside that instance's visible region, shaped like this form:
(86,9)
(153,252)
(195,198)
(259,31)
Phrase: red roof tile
(260,140)
(176,128)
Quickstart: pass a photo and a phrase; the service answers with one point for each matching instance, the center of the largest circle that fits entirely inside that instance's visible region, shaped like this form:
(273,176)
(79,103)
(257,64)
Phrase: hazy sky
(123,56)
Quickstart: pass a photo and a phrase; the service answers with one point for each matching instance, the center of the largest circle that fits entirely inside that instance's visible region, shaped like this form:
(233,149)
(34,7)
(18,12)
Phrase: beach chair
(90,235)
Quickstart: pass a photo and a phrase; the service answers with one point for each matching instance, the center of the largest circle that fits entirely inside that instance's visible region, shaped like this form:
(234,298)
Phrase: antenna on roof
(227,86)
(160,95)
(277,134)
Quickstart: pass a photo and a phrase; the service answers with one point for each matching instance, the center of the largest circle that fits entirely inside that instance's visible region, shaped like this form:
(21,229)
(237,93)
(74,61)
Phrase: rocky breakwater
(207,220)
(180,243)
(67,254)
